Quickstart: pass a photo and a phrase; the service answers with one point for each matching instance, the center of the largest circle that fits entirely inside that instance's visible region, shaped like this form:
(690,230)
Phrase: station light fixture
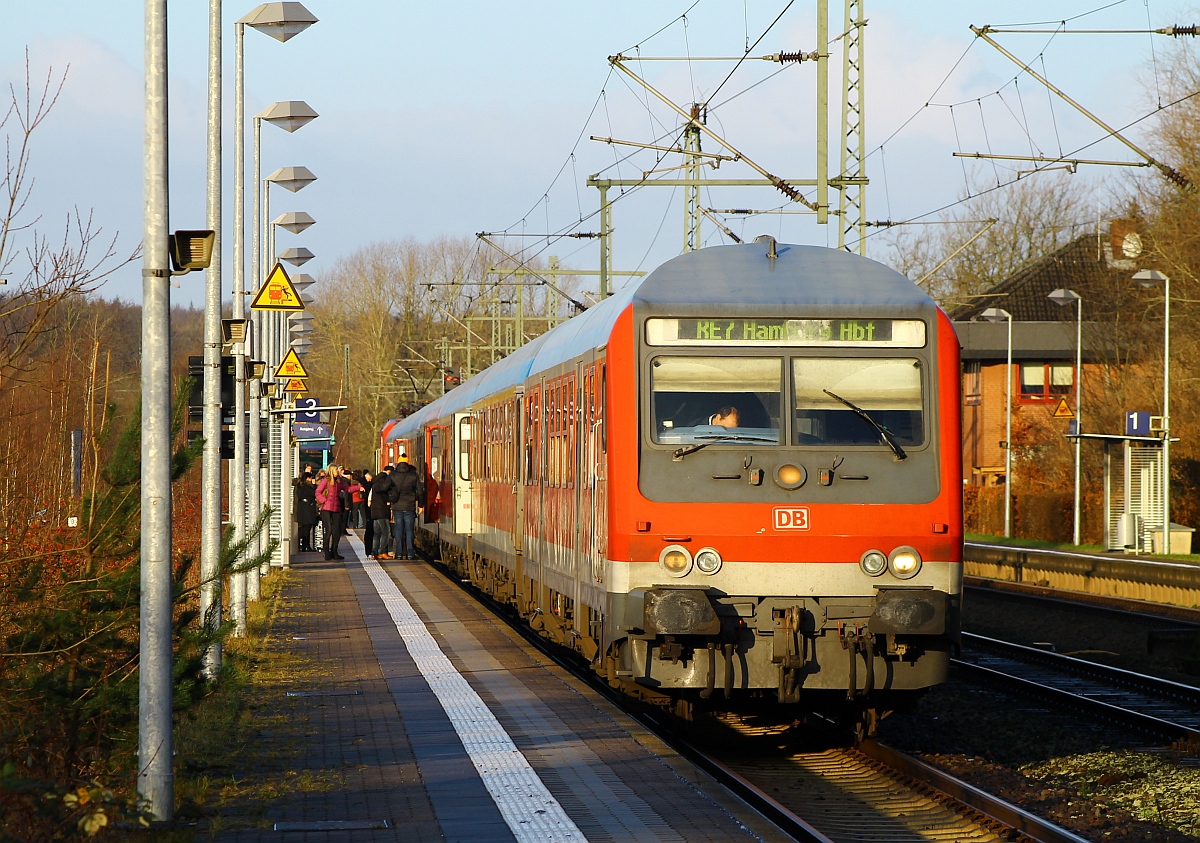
(292,178)
(294,221)
(288,115)
(297,255)
(302,280)
(280,20)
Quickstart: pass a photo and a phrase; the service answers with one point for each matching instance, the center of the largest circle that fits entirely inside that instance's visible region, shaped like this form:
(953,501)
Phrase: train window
(716,398)
(604,408)
(464,449)
(887,389)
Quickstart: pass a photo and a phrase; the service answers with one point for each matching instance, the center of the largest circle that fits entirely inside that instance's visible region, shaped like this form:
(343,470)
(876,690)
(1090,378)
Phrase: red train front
(735,480)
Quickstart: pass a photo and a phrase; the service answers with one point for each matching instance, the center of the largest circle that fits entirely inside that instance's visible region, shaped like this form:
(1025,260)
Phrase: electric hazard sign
(291,367)
(278,293)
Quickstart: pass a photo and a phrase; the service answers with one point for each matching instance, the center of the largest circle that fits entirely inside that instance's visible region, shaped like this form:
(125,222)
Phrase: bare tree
(50,270)
(1033,217)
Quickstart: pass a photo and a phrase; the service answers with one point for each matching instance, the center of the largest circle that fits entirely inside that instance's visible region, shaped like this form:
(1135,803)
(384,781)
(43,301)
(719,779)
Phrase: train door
(579,472)
(598,461)
(462,474)
(519,473)
(435,461)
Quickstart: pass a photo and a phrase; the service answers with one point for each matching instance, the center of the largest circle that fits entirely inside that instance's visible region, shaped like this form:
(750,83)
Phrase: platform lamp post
(1063,298)
(281,21)
(1149,278)
(996,314)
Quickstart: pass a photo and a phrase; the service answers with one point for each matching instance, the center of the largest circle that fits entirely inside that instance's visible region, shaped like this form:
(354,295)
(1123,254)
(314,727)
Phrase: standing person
(408,500)
(329,498)
(305,510)
(358,500)
(368,525)
(380,506)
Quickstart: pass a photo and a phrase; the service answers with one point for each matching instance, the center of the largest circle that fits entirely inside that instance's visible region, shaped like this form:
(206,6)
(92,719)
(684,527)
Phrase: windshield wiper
(680,453)
(885,435)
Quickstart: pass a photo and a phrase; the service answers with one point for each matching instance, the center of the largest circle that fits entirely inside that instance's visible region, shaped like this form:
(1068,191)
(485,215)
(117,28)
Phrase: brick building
(1043,343)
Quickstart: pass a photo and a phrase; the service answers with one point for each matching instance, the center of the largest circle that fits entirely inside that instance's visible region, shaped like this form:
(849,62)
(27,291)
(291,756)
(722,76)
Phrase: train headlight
(708,561)
(789,476)
(873,563)
(676,560)
(905,562)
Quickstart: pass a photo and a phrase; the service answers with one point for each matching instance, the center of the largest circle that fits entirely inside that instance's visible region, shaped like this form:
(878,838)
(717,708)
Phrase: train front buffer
(678,637)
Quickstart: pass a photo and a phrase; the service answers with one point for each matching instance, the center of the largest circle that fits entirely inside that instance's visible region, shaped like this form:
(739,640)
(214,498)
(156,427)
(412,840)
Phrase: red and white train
(737,478)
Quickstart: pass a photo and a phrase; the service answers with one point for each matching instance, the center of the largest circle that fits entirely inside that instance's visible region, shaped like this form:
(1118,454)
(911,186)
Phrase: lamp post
(996,314)
(210,460)
(1148,278)
(1063,298)
(281,21)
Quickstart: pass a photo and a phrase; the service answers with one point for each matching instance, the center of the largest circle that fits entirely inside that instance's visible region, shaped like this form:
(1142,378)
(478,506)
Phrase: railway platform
(407,712)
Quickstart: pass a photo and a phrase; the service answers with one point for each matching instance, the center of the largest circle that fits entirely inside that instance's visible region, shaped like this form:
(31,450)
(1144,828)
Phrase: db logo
(791,517)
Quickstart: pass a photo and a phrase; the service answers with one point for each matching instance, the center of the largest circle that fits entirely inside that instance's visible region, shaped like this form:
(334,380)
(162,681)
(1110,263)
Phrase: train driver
(727,416)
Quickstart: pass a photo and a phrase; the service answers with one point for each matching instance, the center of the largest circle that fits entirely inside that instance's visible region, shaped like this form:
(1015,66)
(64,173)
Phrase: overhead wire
(1076,151)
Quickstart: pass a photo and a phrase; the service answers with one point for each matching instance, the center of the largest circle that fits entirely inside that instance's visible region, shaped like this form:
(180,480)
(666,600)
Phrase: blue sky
(459,117)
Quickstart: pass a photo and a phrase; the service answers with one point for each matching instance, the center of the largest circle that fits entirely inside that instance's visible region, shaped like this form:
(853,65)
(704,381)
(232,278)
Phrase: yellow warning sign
(291,367)
(295,385)
(278,293)
(1063,410)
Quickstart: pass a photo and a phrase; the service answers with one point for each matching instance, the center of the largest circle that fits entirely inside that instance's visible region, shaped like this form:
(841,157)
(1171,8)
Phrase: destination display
(749,331)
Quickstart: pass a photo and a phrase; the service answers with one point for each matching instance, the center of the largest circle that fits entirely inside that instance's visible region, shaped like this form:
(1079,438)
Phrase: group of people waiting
(384,505)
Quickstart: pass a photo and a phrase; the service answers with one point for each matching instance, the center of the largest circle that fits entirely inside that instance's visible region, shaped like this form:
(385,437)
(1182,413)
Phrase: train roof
(815,280)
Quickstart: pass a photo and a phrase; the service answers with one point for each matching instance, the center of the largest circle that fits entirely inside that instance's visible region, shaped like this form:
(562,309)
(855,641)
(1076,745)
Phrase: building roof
(1081,265)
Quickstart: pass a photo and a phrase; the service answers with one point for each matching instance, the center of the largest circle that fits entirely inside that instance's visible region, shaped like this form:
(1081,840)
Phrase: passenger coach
(737,479)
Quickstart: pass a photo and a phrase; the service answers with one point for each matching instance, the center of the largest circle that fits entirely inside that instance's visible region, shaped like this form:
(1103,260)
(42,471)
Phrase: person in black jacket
(304,510)
(379,509)
(407,500)
(368,525)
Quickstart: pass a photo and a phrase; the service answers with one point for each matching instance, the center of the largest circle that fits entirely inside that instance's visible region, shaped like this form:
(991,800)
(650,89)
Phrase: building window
(1046,380)
(972,383)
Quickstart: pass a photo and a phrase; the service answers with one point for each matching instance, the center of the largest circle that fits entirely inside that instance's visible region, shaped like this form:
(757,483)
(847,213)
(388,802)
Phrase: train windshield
(716,399)
(887,390)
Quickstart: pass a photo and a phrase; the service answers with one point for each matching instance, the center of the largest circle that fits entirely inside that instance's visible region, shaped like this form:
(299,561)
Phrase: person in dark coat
(304,510)
(407,500)
(379,506)
(368,525)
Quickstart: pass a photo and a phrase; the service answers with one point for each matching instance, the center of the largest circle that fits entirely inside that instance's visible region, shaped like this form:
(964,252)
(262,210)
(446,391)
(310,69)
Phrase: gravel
(1102,784)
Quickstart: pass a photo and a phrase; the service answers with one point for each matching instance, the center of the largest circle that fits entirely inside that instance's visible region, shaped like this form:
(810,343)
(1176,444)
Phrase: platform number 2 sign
(791,517)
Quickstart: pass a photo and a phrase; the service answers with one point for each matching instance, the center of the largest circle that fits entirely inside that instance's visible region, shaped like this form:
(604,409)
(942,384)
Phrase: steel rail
(1141,721)
(994,808)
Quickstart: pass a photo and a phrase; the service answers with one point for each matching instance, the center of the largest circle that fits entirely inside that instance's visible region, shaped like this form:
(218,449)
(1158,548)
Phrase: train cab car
(735,480)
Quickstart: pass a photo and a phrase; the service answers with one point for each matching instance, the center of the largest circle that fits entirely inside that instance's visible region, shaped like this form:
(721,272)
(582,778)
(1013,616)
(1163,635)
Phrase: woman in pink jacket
(333,514)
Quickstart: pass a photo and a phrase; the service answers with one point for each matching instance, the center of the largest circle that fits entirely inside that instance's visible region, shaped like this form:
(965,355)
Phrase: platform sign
(1137,424)
(278,293)
(308,417)
(291,367)
(1063,410)
(295,385)
(305,430)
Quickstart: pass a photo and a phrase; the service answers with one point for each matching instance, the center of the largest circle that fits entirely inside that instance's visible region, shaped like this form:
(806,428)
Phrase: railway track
(871,793)
(1154,706)
(833,794)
